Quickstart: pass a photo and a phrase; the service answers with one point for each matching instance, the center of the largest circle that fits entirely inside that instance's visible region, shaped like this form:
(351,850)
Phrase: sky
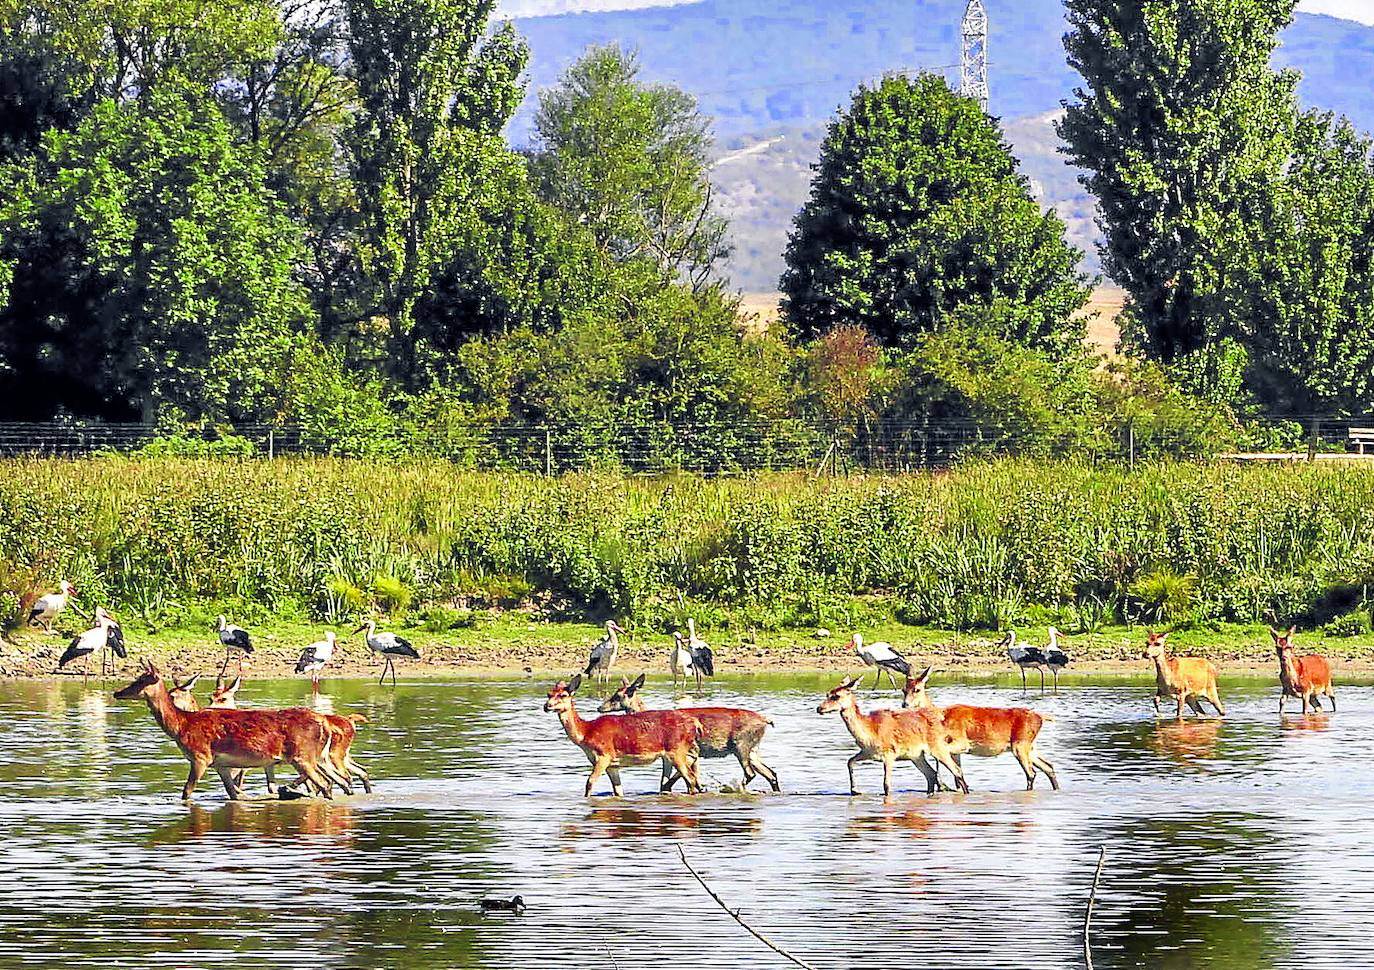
(1361,10)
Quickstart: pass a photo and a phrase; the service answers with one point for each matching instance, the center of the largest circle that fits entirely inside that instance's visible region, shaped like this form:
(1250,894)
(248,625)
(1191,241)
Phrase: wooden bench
(1361,437)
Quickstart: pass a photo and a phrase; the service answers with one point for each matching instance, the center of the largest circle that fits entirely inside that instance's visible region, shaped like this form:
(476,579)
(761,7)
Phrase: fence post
(1130,441)
(548,452)
(271,445)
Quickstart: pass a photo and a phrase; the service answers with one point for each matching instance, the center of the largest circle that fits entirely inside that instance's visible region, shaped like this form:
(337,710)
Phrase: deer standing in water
(613,742)
(1188,679)
(986,732)
(892,736)
(1303,677)
(726,732)
(227,740)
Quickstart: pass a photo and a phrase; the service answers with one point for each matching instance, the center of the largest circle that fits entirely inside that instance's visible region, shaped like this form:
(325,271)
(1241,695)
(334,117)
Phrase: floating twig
(734,914)
(1088,914)
(614,965)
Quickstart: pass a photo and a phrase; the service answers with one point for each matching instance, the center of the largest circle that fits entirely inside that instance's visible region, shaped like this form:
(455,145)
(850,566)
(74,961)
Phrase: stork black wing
(703,661)
(238,639)
(307,658)
(404,649)
(896,662)
(114,639)
(72,652)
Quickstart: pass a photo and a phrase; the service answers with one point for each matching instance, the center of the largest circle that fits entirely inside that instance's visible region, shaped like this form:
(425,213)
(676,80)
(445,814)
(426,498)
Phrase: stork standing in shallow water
(314,658)
(679,659)
(47,608)
(1024,656)
(881,656)
(389,645)
(106,635)
(235,640)
(703,661)
(603,655)
(1055,658)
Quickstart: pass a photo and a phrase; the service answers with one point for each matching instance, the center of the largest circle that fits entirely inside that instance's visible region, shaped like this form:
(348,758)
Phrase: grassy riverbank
(517,643)
(456,557)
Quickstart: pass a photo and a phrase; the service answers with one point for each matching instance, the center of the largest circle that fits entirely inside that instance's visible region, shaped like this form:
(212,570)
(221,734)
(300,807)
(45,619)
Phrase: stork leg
(878,678)
(383,676)
(1055,671)
(1042,679)
(223,667)
(391,665)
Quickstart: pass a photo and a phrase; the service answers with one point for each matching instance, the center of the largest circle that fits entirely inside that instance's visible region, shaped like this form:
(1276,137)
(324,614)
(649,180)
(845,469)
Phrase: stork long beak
(361,628)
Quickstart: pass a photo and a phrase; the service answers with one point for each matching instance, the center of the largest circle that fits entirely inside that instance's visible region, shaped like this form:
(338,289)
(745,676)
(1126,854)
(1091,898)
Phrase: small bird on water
(514,905)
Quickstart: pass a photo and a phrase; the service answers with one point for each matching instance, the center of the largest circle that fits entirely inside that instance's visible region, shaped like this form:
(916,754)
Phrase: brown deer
(226,740)
(1303,677)
(986,732)
(1187,679)
(611,743)
(892,736)
(342,729)
(726,732)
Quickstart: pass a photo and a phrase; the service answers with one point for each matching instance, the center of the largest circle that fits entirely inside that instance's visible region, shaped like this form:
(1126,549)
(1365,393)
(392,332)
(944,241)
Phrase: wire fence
(718,448)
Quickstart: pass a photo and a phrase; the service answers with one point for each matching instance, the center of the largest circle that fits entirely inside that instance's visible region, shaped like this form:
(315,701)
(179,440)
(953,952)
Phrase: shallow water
(1235,844)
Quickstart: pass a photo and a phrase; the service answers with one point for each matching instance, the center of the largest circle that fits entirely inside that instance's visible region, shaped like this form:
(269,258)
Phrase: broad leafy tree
(630,161)
(917,213)
(1179,112)
(1302,278)
(434,90)
(150,271)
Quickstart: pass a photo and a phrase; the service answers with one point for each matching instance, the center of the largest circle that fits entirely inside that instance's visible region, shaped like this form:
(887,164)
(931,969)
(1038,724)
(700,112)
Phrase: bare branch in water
(734,915)
(1088,916)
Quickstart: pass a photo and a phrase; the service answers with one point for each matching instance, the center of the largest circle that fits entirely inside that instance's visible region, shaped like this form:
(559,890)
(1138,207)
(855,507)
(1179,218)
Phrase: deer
(229,739)
(1303,677)
(342,729)
(726,731)
(986,732)
(612,742)
(891,736)
(1188,679)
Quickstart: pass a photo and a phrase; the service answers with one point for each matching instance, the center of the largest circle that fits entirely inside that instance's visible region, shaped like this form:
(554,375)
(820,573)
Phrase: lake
(1243,843)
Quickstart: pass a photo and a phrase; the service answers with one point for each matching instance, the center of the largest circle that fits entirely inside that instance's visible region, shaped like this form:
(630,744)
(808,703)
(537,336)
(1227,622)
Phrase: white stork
(882,656)
(603,655)
(1024,656)
(314,658)
(679,659)
(389,645)
(47,608)
(703,661)
(106,635)
(1055,658)
(236,641)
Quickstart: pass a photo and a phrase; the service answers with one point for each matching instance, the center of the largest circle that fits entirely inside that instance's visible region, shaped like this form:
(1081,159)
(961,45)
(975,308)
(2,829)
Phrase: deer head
(143,685)
(840,696)
(914,694)
(561,696)
(1154,645)
(624,698)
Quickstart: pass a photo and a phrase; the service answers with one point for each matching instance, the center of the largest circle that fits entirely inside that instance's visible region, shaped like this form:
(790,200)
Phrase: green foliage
(918,211)
(629,160)
(176,272)
(434,90)
(982,546)
(191,446)
(1163,596)
(1179,113)
(391,594)
(441,619)
(1352,624)
(1301,279)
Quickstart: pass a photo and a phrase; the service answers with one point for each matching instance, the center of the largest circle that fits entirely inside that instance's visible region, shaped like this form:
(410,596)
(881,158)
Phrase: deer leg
(613,773)
(598,766)
(688,771)
(955,768)
(1179,715)
(1331,696)
(1215,698)
(226,775)
(336,777)
(358,771)
(887,775)
(853,789)
(1283,695)
(313,775)
(1156,700)
(763,768)
(931,775)
(1046,767)
(271,778)
(667,776)
(1023,756)
(193,776)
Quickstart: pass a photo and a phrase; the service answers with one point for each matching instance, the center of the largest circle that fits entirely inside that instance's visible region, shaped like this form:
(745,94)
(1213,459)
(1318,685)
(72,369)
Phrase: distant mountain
(771,73)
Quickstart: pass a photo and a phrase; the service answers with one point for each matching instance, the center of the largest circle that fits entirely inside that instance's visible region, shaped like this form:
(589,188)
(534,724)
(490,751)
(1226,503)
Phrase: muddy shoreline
(33,656)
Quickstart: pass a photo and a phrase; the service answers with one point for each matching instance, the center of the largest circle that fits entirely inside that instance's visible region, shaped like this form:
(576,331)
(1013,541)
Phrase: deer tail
(1044,716)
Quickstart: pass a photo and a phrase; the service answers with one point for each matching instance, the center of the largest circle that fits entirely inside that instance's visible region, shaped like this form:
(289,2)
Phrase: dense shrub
(981,546)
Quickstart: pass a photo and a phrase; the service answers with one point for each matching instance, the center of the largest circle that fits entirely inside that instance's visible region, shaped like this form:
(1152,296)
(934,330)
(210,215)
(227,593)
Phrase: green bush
(1352,624)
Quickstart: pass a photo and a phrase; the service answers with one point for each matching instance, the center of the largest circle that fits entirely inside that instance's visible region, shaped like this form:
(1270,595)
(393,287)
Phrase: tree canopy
(918,210)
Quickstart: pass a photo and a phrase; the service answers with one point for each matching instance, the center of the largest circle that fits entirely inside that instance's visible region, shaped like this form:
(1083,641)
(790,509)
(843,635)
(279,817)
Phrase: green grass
(171,542)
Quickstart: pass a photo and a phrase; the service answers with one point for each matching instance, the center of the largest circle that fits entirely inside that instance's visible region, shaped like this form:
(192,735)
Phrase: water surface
(1236,844)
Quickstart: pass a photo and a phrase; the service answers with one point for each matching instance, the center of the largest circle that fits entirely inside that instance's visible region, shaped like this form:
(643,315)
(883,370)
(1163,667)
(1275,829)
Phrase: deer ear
(238,682)
(1292,629)
(1273,633)
(639,682)
(575,683)
(924,675)
(190,683)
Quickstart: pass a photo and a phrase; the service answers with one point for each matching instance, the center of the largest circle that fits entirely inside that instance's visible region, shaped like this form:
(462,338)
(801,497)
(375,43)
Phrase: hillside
(772,72)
